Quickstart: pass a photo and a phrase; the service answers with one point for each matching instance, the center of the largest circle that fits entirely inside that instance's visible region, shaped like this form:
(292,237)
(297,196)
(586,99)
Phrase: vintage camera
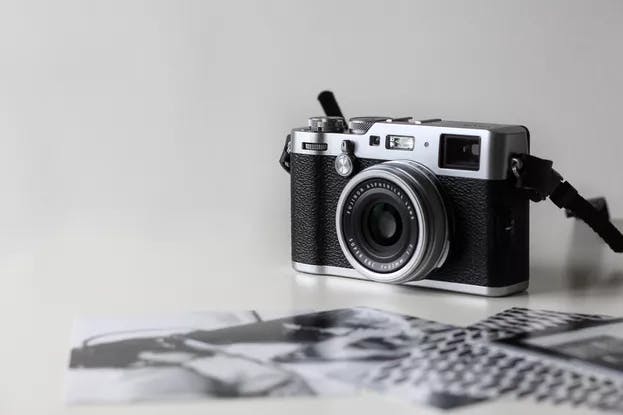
(428,203)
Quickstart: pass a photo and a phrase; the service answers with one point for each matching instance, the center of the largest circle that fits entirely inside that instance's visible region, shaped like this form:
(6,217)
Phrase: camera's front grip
(538,178)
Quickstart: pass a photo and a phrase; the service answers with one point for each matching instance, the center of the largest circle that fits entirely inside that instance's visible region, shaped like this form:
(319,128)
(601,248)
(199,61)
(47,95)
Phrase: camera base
(426,283)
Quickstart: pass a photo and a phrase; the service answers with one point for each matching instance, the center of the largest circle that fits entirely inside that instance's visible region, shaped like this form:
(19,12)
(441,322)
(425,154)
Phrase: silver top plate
(497,143)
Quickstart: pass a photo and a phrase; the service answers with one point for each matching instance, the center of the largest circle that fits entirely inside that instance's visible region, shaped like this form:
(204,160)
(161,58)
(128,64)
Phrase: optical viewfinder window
(460,152)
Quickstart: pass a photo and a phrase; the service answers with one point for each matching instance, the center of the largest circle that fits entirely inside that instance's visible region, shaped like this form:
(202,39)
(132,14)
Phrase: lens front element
(392,222)
(383,224)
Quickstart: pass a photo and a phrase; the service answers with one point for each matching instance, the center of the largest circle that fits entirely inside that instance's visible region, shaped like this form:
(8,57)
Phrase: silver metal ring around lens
(421,188)
(439,214)
(427,186)
(403,273)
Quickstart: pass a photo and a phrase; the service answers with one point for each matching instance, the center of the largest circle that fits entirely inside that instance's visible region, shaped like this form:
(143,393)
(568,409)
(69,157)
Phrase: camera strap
(538,178)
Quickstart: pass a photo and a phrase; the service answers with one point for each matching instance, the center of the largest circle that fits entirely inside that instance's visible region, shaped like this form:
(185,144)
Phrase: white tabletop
(91,269)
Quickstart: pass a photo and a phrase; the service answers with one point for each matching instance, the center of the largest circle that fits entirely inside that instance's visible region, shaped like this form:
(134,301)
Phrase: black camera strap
(538,178)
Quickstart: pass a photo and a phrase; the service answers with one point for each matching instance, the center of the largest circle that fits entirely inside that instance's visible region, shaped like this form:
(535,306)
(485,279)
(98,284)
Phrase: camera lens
(380,223)
(383,224)
(392,222)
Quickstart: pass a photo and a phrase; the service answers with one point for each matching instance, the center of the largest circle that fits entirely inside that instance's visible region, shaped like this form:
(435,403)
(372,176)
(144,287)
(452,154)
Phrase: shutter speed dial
(327,124)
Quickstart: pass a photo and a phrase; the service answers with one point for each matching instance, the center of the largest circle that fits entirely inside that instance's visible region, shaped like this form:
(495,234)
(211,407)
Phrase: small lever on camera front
(345,162)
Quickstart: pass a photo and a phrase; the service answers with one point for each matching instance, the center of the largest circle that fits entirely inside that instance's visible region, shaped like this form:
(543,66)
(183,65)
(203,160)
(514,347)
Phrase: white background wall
(160,122)
(139,144)
(163,120)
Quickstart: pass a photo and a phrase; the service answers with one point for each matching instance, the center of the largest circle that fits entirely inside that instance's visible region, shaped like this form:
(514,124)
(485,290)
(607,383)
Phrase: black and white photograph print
(115,360)
(464,366)
(338,345)
(528,374)
(230,355)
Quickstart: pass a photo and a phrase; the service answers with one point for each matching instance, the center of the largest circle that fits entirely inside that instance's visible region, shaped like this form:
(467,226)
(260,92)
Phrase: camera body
(428,203)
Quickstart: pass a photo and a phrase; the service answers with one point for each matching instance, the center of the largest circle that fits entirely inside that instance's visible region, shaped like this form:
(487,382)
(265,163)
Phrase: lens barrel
(392,222)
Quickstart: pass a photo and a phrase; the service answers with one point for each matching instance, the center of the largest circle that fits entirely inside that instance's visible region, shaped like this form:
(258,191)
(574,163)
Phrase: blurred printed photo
(229,355)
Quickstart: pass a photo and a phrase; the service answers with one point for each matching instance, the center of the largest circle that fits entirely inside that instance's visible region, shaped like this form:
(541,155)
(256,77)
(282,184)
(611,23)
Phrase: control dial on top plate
(361,125)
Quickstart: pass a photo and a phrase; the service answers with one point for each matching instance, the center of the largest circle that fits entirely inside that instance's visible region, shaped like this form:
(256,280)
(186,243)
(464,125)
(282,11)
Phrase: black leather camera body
(428,203)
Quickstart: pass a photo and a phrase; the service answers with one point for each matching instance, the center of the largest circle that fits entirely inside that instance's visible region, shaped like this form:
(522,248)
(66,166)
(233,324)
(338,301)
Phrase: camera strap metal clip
(538,178)
(284,160)
(535,175)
